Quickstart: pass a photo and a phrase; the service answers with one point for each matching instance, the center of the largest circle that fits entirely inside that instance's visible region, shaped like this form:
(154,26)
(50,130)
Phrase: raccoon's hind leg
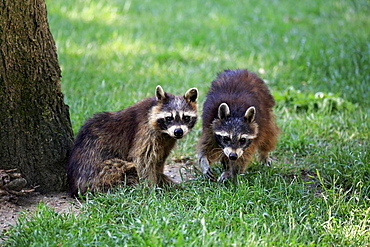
(267,143)
(264,149)
(114,172)
(264,158)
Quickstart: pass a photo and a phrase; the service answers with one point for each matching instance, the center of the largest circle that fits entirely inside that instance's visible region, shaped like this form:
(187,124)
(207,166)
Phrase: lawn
(315,57)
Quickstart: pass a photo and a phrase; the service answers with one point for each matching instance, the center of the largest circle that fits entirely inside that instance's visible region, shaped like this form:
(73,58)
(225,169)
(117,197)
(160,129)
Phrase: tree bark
(35,129)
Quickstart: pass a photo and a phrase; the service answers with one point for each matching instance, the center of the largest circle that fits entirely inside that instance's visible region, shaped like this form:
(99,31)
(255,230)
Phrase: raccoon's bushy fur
(132,144)
(237,122)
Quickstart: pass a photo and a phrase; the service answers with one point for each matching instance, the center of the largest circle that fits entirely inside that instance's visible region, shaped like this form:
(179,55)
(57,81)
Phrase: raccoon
(237,122)
(132,144)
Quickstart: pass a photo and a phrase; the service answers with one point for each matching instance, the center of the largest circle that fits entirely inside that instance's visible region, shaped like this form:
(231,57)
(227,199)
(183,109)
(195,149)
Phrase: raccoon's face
(234,135)
(175,115)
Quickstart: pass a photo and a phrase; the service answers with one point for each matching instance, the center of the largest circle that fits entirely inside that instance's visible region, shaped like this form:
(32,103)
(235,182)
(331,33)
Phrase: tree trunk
(35,129)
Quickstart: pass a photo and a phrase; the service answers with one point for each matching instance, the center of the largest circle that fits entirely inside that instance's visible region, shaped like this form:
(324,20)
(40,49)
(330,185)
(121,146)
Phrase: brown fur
(240,90)
(126,146)
(114,172)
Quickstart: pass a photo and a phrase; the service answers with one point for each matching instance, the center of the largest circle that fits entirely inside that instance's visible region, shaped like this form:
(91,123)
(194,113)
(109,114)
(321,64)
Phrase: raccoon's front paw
(208,173)
(224,176)
(206,169)
(164,180)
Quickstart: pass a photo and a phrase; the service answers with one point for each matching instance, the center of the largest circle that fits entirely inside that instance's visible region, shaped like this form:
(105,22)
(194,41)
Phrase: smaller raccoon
(132,144)
(237,122)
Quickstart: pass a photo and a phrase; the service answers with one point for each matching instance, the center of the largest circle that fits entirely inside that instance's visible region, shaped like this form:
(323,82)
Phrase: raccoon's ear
(191,95)
(223,111)
(250,114)
(160,94)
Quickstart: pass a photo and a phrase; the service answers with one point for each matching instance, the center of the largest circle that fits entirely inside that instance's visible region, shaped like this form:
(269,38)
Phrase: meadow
(314,56)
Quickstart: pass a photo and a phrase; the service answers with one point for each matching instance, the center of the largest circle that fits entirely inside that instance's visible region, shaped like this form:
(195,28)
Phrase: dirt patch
(309,179)
(180,172)
(9,211)
(63,203)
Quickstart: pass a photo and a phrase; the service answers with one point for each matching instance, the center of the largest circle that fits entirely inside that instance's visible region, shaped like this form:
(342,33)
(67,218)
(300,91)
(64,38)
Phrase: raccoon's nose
(233,156)
(178,133)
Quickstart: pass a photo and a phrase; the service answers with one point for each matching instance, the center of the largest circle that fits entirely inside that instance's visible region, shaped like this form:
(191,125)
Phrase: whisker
(220,155)
(218,152)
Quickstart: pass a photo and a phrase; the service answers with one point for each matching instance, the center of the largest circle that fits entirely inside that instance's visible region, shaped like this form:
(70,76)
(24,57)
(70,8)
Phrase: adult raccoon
(237,122)
(131,144)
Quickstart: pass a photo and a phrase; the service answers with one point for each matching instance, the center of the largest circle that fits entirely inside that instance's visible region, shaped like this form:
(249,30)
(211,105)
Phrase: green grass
(265,209)
(315,57)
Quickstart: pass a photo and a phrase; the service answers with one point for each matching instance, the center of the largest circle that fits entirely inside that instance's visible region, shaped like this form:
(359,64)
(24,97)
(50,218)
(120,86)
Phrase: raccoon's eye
(226,139)
(245,141)
(186,119)
(169,119)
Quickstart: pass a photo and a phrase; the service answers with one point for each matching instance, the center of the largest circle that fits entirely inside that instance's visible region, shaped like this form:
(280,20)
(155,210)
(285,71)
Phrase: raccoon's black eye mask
(169,119)
(242,141)
(226,140)
(186,119)
(245,142)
